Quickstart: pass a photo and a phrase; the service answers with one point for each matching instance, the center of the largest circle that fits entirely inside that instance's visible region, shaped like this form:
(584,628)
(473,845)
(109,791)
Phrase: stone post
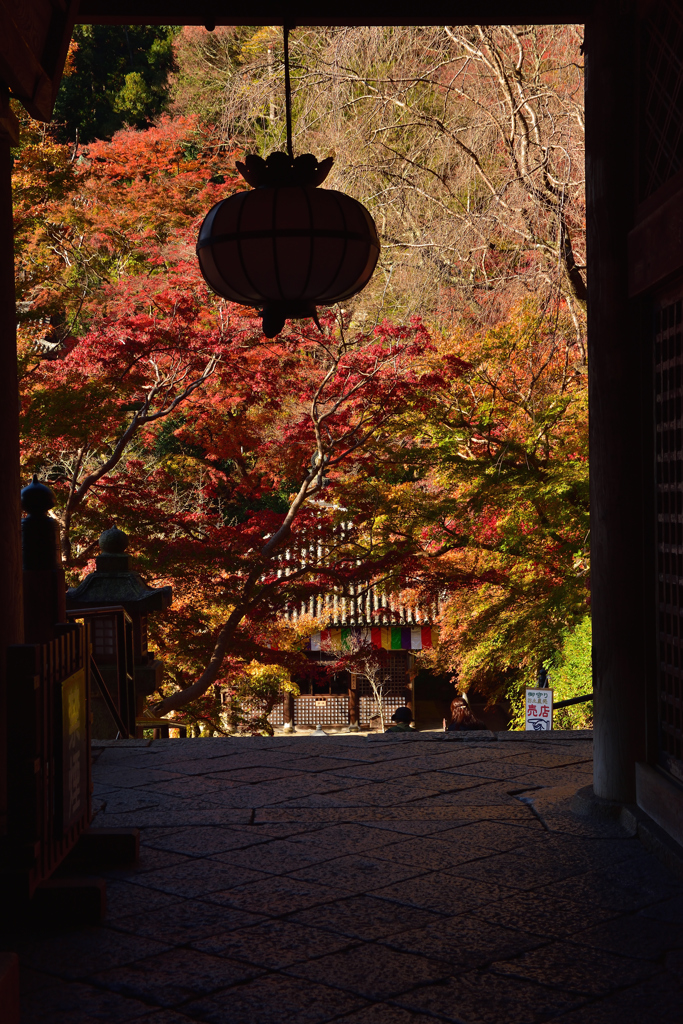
(44,595)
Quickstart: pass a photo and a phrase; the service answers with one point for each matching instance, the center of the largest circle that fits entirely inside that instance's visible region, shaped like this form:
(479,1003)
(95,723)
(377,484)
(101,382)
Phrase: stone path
(390,880)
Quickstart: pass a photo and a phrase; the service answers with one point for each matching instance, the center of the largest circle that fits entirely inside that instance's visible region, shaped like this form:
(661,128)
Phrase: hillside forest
(440,416)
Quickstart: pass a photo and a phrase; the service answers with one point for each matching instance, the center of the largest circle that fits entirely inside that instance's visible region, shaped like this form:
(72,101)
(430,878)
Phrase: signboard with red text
(538,710)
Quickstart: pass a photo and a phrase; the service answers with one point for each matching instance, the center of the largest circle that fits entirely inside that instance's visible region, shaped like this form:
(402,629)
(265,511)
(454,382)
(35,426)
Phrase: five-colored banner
(388,638)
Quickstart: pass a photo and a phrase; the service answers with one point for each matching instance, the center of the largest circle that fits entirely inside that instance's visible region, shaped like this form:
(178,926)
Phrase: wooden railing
(49,784)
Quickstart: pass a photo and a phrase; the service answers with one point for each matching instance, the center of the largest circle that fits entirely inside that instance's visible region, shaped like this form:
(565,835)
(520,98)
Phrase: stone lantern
(115,584)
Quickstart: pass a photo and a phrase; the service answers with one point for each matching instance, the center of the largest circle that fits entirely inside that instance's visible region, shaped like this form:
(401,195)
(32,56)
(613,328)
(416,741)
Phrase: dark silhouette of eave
(438,12)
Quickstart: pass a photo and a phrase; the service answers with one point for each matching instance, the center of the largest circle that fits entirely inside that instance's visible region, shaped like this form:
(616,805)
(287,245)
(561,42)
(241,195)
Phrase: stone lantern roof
(114,582)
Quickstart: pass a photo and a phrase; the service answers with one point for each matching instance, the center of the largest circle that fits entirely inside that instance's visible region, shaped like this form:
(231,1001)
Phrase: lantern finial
(279,170)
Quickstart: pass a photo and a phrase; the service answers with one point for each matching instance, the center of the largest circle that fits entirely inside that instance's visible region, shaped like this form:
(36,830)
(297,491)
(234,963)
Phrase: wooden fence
(49,783)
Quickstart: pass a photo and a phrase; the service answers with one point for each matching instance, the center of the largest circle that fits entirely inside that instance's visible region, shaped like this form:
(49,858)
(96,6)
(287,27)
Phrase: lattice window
(395,681)
(669,447)
(661,115)
(368,712)
(323,711)
(277,715)
(104,636)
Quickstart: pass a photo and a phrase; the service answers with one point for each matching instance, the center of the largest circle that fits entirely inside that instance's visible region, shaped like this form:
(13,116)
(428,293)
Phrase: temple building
(375,633)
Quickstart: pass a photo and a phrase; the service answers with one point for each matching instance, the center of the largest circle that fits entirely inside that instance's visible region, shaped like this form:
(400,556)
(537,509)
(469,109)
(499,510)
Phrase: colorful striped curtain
(388,638)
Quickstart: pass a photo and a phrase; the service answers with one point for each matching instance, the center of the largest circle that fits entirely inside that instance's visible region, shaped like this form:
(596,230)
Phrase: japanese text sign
(538,711)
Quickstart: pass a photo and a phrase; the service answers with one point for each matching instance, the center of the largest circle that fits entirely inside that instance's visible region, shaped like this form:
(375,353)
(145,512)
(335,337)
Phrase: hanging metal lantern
(286,246)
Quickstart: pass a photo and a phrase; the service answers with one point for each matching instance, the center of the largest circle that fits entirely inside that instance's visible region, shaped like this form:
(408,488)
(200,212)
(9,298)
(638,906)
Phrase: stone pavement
(399,879)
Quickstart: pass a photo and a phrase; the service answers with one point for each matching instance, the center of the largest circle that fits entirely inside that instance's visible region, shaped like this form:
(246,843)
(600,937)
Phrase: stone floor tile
(183,786)
(666,909)
(410,827)
(196,878)
(559,758)
(185,813)
(495,890)
(365,917)
(203,842)
(434,892)
(274,944)
(518,872)
(419,811)
(499,770)
(77,954)
(600,852)
(433,853)
(127,777)
(570,967)
(368,795)
(266,794)
(464,941)
(165,1017)
(77,1003)
(322,764)
(197,765)
(655,1001)
(383,1013)
(276,999)
(361,872)
(634,936)
(151,859)
(673,962)
(484,998)
(432,781)
(372,971)
(276,896)
(345,837)
(279,856)
(276,830)
(175,977)
(496,835)
(126,898)
(551,916)
(622,889)
(135,801)
(184,921)
(378,772)
(256,773)
(483,794)
(156,833)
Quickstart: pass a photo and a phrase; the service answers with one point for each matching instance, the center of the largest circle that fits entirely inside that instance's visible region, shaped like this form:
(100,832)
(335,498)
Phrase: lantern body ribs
(287,249)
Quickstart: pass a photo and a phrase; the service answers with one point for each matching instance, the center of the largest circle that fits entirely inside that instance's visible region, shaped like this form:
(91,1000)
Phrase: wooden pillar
(618,434)
(11,609)
(353,703)
(288,712)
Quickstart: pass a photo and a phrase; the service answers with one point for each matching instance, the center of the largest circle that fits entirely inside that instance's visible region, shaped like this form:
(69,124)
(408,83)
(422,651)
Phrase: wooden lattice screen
(669,455)
(661,97)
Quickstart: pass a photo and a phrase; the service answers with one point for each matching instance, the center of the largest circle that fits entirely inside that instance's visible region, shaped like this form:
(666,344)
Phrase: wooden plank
(34,39)
(655,247)
(661,798)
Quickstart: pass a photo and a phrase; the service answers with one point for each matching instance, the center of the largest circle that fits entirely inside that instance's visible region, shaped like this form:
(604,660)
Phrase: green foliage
(570,671)
(120,78)
(253,695)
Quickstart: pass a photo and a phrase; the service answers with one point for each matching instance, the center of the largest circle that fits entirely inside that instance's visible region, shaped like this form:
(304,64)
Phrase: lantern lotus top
(280,170)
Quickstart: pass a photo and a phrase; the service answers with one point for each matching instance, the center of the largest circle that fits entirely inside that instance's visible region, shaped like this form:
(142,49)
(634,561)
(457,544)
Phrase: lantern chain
(286,29)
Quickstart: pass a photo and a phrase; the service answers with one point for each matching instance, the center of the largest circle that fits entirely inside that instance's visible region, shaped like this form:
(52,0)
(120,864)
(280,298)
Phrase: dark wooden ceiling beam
(354,12)
(34,39)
